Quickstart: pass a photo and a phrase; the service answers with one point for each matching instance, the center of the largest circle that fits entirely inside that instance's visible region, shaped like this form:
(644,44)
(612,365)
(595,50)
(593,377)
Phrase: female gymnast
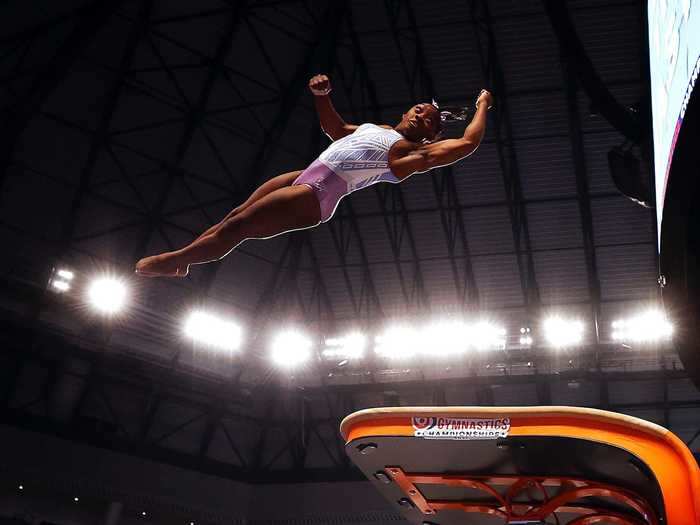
(358,157)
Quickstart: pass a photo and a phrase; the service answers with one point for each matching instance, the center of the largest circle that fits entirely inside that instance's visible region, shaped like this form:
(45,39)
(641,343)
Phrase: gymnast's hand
(485,96)
(320,85)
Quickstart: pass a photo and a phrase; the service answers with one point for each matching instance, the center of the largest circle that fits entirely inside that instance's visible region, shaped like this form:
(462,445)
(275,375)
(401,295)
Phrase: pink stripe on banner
(670,157)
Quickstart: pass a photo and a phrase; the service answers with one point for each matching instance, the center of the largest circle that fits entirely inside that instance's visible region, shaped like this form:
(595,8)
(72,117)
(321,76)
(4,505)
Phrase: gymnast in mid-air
(359,156)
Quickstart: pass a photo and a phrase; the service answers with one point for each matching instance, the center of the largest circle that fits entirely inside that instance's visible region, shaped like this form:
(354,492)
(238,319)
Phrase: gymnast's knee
(239,227)
(229,228)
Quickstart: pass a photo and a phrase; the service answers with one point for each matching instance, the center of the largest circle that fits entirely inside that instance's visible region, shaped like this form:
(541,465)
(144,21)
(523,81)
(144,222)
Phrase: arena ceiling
(131,126)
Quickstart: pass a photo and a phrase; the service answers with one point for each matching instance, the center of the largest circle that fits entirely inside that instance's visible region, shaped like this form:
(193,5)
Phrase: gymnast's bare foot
(163,265)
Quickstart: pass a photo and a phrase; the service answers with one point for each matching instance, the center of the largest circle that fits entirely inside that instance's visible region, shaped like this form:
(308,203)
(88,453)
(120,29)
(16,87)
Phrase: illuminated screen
(674,59)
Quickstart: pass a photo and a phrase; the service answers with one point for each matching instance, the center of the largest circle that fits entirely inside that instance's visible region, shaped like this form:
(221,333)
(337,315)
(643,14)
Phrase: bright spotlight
(60,286)
(439,339)
(107,294)
(61,280)
(487,336)
(290,348)
(445,338)
(398,341)
(350,346)
(64,274)
(560,332)
(646,327)
(213,331)
(525,337)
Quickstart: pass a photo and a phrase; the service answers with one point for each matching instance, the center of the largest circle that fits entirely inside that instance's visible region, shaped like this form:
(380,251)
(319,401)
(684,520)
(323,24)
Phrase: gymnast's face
(421,122)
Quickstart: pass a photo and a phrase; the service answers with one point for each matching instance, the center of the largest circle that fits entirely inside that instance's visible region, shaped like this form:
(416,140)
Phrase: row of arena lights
(291,347)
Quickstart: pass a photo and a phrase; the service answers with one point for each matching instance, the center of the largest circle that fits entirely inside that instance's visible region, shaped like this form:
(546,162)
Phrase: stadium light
(60,286)
(561,332)
(442,338)
(398,341)
(66,275)
(487,336)
(61,280)
(213,331)
(525,337)
(445,338)
(107,295)
(350,346)
(646,327)
(290,348)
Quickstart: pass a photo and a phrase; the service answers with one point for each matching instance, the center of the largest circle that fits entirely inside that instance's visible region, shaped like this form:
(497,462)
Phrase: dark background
(129,127)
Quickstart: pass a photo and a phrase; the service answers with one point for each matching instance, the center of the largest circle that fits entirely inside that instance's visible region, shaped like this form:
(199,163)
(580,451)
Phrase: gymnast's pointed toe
(157,266)
(144,267)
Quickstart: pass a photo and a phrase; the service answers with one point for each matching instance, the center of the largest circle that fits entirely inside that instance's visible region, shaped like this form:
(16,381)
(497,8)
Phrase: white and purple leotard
(356,161)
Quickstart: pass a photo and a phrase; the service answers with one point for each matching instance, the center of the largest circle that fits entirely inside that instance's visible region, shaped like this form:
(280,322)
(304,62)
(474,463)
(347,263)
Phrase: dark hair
(448,114)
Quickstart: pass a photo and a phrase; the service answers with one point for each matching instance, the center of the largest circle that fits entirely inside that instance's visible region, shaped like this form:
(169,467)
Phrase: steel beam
(579,66)
(258,450)
(415,296)
(91,21)
(421,85)
(99,139)
(492,73)
(582,192)
(213,421)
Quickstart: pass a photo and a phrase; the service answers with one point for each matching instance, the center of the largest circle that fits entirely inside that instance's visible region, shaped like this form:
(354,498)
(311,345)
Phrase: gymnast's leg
(282,210)
(275,183)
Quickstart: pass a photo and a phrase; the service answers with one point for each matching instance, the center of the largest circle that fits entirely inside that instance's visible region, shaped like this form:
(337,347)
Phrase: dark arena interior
(529,245)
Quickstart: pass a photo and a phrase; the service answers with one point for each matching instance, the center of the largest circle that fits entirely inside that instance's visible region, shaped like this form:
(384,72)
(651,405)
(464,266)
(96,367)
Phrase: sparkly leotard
(356,161)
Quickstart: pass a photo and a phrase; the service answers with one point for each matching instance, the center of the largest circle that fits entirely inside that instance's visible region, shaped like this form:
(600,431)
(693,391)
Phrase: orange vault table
(559,465)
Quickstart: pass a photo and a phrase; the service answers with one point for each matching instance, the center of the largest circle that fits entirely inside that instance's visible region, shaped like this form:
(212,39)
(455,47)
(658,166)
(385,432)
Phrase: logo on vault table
(460,428)
(423,423)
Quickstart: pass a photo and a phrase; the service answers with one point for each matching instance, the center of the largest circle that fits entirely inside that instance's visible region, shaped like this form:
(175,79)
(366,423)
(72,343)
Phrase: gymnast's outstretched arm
(449,151)
(332,123)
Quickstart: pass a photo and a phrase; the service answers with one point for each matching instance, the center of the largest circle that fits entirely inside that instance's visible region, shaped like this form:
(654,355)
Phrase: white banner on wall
(674,56)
